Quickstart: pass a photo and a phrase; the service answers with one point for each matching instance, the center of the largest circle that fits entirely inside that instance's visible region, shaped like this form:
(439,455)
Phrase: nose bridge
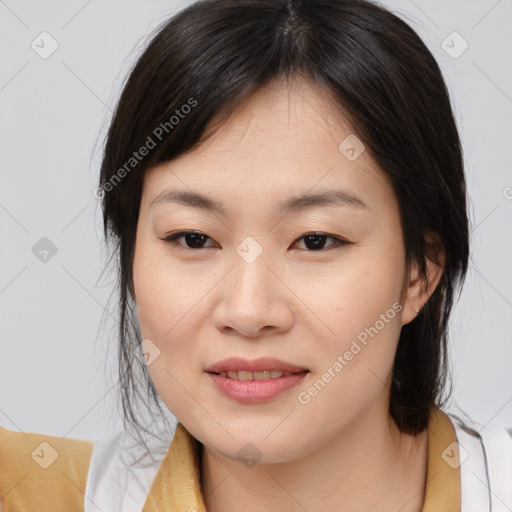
(252,281)
(253,296)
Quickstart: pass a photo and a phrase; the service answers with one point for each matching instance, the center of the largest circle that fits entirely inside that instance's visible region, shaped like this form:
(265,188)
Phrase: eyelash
(172,239)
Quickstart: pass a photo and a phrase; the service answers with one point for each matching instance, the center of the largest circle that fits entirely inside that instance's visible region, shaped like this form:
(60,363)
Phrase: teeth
(244,375)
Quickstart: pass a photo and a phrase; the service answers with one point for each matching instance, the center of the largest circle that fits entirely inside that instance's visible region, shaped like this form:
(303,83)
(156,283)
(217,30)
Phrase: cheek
(166,292)
(169,305)
(353,365)
(165,319)
(356,296)
(361,319)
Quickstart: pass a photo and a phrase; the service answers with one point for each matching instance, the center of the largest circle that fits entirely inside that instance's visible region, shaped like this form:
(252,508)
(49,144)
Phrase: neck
(369,466)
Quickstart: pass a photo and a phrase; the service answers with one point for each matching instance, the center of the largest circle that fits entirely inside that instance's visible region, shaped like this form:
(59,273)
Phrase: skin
(341,451)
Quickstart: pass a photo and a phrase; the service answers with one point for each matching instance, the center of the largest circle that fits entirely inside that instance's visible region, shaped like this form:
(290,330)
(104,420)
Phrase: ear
(418,289)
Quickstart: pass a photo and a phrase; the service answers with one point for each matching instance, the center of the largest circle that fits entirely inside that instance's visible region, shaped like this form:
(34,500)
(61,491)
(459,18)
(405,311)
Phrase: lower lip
(254,391)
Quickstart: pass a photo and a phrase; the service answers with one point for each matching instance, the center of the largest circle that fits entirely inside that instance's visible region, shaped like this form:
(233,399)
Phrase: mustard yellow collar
(177,487)
(443,492)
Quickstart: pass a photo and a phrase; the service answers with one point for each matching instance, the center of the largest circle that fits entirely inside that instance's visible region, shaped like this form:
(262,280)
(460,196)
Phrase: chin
(258,451)
(259,445)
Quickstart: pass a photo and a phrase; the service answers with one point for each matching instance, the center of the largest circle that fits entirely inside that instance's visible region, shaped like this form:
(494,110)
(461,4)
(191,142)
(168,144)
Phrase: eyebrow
(294,204)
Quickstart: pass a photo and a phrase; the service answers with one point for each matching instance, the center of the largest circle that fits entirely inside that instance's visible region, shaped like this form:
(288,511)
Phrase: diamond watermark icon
(45,45)
(351,147)
(454,45)
(454,455)
(249,249)
(44,250)
(249,454)
(149,352)
(45,455)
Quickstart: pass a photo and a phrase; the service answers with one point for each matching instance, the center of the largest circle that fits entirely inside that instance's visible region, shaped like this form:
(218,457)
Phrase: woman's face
(255,284)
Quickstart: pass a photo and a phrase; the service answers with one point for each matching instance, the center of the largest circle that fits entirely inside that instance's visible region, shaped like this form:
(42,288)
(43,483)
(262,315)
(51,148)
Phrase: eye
(195,239)
(316,241)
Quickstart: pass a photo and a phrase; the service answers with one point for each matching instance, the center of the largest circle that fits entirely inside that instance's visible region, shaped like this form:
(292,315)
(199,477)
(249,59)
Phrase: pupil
(319,243)
(195,241)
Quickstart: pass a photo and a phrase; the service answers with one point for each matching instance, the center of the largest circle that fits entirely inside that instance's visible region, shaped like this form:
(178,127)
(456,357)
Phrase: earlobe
(419,288)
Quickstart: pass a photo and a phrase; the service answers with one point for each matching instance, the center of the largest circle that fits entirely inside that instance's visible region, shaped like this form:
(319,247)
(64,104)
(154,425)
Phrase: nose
(255,302)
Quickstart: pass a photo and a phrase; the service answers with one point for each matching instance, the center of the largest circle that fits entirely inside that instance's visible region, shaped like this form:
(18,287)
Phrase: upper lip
(257,365)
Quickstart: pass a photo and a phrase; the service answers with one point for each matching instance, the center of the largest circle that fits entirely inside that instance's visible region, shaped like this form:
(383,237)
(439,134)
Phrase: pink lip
(258,365)
(254,391)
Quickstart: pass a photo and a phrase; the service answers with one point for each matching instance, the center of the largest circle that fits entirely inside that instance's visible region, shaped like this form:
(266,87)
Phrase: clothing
(42,473)
(462,466)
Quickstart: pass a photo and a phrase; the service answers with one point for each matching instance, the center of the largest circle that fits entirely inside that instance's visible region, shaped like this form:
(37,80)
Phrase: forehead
(300,112)
(280,141)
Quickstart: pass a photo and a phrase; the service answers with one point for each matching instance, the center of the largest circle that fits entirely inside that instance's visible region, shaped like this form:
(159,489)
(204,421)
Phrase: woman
(283,183)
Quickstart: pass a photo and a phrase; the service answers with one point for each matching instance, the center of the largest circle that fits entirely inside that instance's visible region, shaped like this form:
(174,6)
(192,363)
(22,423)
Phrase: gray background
(55,353)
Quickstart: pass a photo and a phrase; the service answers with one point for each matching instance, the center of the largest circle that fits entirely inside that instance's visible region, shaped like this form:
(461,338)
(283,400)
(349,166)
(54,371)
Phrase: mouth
(255,381)
(262,375)
(250,390)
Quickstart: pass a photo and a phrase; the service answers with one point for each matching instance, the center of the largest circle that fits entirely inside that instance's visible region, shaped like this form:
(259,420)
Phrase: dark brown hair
(214,53)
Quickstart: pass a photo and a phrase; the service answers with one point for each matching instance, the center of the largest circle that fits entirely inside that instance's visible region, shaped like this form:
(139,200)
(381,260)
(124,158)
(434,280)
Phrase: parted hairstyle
(208,57)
